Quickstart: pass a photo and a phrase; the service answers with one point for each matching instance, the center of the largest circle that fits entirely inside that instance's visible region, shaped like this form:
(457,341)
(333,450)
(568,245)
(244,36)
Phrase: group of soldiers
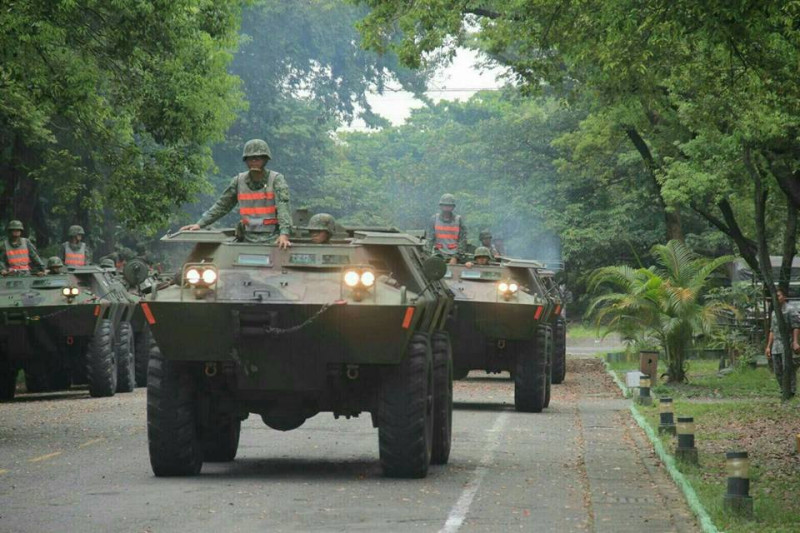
(449,236)
(19,255)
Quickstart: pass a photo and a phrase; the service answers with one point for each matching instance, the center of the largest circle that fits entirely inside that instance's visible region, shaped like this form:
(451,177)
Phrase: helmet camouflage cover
(482,251)
(75,231)
(54,261)
(107,263)
(15,224)
(485,234)
(322,222)
(447,199)
(256,148)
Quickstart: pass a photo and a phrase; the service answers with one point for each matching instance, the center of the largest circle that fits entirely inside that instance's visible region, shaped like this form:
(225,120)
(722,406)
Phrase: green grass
(584,331)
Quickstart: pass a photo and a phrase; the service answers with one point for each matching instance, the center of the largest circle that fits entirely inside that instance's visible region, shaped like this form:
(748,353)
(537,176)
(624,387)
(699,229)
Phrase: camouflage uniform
(447,236)
(75,254)
(10,253)
(486,234)
(779,351)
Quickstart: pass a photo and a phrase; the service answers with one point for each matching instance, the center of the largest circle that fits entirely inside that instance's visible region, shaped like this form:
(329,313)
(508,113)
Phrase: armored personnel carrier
(352,326)
(499,324)
(66,328)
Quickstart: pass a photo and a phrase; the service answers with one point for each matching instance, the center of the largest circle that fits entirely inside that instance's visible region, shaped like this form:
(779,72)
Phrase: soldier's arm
(227,200)
(283,204)
(431,235)
(3,265)
(35,259)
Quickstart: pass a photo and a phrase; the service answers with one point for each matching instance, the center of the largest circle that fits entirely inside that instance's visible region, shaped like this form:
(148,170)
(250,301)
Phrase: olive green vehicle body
(42,331)
(280,334)
(485,322)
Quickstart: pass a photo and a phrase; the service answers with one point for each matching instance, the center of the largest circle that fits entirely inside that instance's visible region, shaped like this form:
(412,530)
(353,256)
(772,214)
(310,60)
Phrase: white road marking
(459,511)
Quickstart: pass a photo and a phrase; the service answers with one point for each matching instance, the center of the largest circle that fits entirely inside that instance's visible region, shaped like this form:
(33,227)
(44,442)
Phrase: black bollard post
(667,416)
(738,500)
(686,451)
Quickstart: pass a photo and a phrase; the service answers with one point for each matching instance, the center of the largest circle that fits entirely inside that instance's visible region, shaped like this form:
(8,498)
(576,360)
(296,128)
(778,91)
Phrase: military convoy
(72,327)
(351,326)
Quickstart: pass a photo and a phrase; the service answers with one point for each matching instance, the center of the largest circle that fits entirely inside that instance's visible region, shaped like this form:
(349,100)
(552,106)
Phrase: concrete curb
(669,461)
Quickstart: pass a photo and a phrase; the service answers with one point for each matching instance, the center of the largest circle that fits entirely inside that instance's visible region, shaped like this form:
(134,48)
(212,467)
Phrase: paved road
(70,463)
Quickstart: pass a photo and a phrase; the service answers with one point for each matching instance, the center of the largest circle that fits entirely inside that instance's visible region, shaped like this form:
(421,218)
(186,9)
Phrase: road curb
(668,460)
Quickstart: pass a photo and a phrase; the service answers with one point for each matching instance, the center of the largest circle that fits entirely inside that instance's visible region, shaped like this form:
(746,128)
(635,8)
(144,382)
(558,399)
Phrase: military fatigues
(778,350)
(21,257)
(263,206)
(448,236)
(75,254)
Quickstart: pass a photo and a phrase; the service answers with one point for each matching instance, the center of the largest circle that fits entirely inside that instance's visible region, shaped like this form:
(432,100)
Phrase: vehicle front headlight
(74,291)
(209,276)
(513,287)
(193,276)
(502,286)
(66,291)
(368,279)
(351,278)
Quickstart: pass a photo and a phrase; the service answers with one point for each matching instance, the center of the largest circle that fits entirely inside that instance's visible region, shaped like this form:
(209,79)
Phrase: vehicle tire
(530,378)
(172,432)
(405,413)
(549,367)
(126,366)
(8,380)
(460,373)
(220,443)
(559,351)
(442,398)
(144,342)
(101,361)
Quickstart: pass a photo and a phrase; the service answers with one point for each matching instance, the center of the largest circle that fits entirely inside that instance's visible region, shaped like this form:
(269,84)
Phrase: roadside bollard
(686,451)
(737,499)
(667,416)
(644,397)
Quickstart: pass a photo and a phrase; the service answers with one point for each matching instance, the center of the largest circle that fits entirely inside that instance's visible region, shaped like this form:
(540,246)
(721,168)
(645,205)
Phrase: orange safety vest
(18,259)
(72,258)
(257,207)
(446,234)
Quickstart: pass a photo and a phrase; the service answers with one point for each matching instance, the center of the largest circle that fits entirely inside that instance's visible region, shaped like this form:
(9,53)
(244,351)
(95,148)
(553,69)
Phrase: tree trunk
(789,246)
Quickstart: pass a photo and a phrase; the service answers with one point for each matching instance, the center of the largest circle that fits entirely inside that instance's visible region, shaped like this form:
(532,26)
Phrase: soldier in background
(263,198)
(108,264)
(18,255)
(447,231)
(775,351)
(54,265)
(486,241)
(74,252)
(322,226)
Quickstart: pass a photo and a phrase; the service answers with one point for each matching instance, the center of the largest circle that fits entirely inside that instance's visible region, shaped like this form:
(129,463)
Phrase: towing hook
(211,369)
(501,344)
(352,372)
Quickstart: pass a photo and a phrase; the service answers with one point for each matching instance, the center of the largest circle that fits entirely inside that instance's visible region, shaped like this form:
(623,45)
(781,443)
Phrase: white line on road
(459,511)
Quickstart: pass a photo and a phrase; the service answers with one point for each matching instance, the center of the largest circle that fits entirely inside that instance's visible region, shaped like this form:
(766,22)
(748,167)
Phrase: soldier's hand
(796,347)
(40,274)
(453,260)
(768,352)
(283,242)
(468,264)
(191,227)
(3,272)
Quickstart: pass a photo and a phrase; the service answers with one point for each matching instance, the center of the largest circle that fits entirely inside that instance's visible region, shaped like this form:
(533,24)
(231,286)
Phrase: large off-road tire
(559,351)
(530,377)
(549,367)
(405,413)
(145,344)
(172,428)
(126,369)
(8,379)
(442,398)
(220,443)
(101,361)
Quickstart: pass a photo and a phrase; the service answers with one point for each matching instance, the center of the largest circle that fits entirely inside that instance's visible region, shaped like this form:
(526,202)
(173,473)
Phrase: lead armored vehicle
(66,328)
(499,324)
(348,327)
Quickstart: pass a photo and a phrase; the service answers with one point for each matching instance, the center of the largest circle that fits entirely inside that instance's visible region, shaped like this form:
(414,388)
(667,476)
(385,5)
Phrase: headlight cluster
(507,287)
(356,278)
(200,276)
(70,292)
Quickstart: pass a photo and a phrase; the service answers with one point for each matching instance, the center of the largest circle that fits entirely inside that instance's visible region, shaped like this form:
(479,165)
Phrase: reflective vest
(18,259)
(257,207)
(446,234)
(73,258)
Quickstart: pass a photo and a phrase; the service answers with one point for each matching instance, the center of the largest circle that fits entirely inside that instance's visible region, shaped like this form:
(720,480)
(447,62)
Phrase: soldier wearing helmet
(447,232)
(18,255)
(322,227)
(108,263)
(54,265)
(486,240)
(263,198)
(482,255)
(74,252)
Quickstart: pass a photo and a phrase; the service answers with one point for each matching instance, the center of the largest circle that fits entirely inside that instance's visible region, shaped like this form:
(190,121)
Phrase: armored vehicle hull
(555,316)
(64,329)
(347,327)
(499,325)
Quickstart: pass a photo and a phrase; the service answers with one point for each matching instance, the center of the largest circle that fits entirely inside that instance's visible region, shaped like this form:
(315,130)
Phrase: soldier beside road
(18,255)
(263,198)
(447,231)
(74,252)
(775,351)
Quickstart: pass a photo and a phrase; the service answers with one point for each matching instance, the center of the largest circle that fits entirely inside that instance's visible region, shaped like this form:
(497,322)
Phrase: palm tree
(663,302)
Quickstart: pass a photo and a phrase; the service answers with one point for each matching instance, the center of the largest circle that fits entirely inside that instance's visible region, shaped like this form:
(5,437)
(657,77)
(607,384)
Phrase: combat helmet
(482,251)
(485,234)
(447,199)
(54,262)
(322,222)
(74,231)
(256,148)
(15,224)
(107,263)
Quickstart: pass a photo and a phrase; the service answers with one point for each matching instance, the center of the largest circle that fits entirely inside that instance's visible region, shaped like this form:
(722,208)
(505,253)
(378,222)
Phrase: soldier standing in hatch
(74,252)
(18,255)
(486,241)
(322,226)
(448,232)
(263,198)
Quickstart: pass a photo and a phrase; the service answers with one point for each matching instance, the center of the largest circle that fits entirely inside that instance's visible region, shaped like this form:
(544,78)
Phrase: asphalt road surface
(72,463)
